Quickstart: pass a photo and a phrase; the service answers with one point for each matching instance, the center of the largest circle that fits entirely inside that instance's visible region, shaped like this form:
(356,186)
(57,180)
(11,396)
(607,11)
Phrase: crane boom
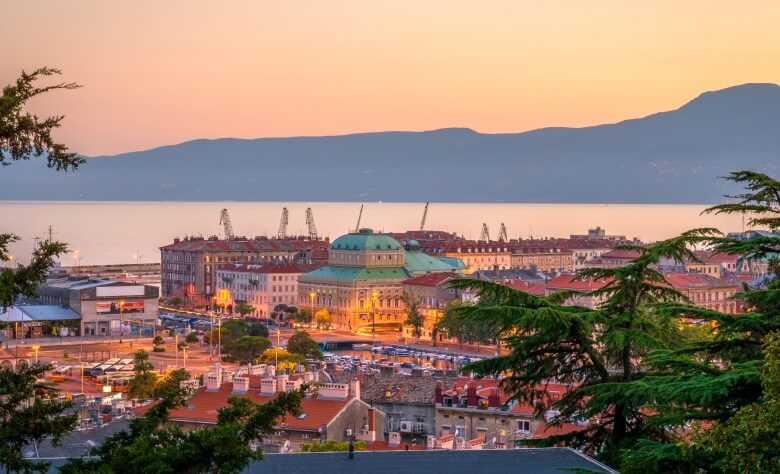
(310,224)
(425,215)
(360,216)
(502,234)
(224,220)
(282,233)
(485,235)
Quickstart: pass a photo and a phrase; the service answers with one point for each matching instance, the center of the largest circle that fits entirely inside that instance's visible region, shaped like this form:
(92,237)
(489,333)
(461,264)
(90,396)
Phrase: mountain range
(668,157)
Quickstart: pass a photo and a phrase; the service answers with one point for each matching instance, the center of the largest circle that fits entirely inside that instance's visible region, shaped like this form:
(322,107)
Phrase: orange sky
(157,73)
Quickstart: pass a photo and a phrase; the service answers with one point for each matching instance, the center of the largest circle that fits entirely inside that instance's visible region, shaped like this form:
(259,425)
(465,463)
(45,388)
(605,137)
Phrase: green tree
(304,316)
(283,358)
(718,381)
(144,383)
(246,349)
(153,445)
(331,445)
(24,136)
(599,351)
(244,308)
(257,329)
(302,343)
(191,338)
(30,412)
(175,302)
(414,316)
(170,384)
(322,318)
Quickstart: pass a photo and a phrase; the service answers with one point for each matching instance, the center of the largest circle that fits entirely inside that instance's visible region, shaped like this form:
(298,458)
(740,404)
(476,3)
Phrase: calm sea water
(117,232)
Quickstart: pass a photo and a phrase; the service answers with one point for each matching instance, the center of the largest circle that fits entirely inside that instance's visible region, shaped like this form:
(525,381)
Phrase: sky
(158,73)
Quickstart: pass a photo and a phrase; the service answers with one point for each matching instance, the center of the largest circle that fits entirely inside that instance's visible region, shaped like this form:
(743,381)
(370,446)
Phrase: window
(524,425)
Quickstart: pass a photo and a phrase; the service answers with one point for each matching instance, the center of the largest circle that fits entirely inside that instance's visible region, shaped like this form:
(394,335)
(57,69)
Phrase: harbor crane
(224,220)
(310,224)
(360,216)
(282,233)
(485,235)
(425,215)
(502,234)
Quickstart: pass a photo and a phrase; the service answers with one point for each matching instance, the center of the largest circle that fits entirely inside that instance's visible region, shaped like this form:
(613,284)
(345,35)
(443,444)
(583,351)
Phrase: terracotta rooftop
(536,289)
(546,430)
(195,244)
(568,282)
(203,407)
(431,279)
(621,254)
(694,280)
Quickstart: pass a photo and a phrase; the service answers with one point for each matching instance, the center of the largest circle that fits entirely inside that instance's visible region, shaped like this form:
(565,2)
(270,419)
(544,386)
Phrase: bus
(61,373)
(99,370)
(129,368)
(89,366)
(117,382)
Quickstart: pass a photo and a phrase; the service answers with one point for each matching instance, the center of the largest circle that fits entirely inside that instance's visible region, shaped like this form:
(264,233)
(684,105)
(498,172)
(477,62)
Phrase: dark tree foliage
(301,343)
(30,412)
(153,445)
(718,382)
(144,383)
(414,317)
(22,137)
(246,349)
(27,411)
(597,351)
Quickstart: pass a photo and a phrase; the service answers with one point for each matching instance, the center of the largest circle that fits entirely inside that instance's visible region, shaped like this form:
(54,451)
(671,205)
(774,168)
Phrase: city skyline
(161,74)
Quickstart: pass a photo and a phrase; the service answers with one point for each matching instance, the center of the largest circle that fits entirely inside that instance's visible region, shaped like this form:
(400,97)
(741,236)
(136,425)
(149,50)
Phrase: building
(31,321)
(478,255)
(433,293)
(361,287)
(105,307)
(262,286)
(188,266)
(613,259)
(547,259)
(335,412)
(478,411)
(707,291)
(584,286)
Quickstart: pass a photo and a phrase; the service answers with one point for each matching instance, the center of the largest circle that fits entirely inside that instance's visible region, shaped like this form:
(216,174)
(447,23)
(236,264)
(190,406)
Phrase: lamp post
(121,313)
(311,307)
(219,338)
(276,352)
(184,356)
(35,349)
(374,297)
(176,348)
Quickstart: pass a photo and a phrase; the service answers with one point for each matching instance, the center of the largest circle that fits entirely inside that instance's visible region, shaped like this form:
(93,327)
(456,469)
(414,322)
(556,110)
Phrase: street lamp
(184,356)
(35,349)
(311,300)
(374,297)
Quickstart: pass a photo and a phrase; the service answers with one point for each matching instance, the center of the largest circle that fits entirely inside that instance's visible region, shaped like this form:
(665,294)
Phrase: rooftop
(365,239)
(568,282)
(431,279)
(27,313)
(531,460)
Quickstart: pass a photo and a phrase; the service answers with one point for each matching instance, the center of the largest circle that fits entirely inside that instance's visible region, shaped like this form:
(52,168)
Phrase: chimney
(240,384)
(270,370)
(354,388)
(308,377)
(267,386)
(438,397)
(471,395)
(213,382)
(281,382)
(430,442)
(292,385)
(176,240)
(493,399)
(394,439)
(371,421)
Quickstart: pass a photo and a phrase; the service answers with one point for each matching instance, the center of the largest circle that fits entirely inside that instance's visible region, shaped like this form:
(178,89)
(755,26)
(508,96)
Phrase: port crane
(485,234)
(502,234)
(425,215)
(282,233)
(224,220)
(310,224)
(360,216)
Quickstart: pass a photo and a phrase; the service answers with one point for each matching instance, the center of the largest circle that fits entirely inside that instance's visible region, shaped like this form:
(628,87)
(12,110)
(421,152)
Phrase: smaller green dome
(365,239)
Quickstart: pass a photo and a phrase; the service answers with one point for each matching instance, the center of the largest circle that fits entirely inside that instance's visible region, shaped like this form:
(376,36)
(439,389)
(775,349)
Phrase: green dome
(365,239)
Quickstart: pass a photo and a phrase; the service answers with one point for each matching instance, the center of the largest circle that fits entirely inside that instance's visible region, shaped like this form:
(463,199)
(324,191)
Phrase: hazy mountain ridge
(667,157)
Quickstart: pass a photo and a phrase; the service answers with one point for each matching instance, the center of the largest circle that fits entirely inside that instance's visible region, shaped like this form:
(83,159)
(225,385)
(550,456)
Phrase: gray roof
(531,460)
(28,313)
(472,461)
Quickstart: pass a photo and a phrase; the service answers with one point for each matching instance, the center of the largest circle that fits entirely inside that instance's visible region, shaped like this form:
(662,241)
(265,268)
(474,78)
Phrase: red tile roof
(621,254)
(203,406)
(694,280)
(568,282)
(536,289)
(431,279)
(196,244)
(546,430)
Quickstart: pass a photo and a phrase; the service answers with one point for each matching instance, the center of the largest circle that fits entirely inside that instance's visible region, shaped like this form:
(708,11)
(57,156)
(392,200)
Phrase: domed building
(361,285)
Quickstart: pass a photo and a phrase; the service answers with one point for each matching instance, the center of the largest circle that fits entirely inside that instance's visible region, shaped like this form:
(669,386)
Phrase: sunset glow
(157,73)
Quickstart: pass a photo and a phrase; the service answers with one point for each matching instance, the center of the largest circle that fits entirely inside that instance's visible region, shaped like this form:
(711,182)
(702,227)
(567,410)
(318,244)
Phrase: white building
(262,286)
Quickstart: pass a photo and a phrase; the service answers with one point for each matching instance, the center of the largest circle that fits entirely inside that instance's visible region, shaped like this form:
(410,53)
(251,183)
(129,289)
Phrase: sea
(132,232)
